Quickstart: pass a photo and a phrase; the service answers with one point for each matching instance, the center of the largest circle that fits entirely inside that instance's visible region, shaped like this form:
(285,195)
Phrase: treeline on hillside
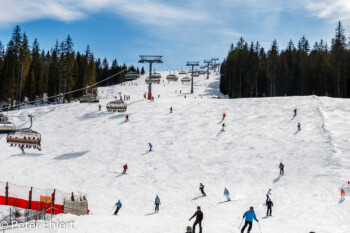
(27,72)
(250,71)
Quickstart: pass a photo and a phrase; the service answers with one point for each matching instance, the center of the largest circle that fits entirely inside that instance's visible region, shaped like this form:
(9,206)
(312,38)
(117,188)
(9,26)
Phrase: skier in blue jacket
(118,205)
(157,203)
(249,216)
(150,146)
(22,149)
(227,194)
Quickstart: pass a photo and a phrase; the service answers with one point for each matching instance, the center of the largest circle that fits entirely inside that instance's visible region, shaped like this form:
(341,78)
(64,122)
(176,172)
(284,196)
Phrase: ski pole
(240,224)
(259,227)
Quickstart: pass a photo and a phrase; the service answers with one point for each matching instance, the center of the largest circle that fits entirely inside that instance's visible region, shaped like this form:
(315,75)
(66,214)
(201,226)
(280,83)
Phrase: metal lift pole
(193,64)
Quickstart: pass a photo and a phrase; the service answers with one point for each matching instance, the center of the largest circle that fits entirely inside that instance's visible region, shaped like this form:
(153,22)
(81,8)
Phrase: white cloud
(332,9)
(142,11)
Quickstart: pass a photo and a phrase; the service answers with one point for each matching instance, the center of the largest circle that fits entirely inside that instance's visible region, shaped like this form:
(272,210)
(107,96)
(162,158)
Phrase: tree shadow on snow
(91,115)
(277,179)
(121,174)
(71,155)
(116,116)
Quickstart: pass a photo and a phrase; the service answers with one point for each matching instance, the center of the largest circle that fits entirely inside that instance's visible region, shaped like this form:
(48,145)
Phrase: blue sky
(182,30)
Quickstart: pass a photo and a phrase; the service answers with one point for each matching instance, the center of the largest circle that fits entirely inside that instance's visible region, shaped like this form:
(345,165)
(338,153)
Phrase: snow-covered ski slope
(84,150)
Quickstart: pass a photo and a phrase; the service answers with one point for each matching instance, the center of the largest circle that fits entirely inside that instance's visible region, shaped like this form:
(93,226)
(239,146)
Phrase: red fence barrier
(38,199)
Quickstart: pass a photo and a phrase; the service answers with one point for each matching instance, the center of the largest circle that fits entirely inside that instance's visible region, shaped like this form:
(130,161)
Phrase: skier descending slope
(171,109)
(342,195)
(268,194)
(295,113)
(201,187)
(249,216)
(299,126)
(126,118)
(269,205)
(118,205)
(223,117)
(150,146)
(22,149)
(199,219)
(281,169)
(227,194)
(125,167)
(156,203)
(223,126)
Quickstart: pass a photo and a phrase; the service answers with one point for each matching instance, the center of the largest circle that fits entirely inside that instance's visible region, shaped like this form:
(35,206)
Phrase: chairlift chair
(25,137)
(117,105)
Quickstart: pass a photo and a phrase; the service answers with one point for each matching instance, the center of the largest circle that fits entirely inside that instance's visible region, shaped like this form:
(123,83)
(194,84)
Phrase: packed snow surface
(83,150)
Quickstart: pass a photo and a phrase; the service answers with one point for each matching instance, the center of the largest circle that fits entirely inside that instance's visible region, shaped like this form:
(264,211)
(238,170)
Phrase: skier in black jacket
(269,205)
(281,169)
(199,218)
(201,187)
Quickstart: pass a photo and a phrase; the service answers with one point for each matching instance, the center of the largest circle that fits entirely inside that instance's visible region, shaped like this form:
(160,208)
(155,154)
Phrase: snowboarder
(22,149)
(268,194)
(295,113)
(150,146)
(299,126)
(249,216)
(281,169)
(342,195)
(269,205)
(201,187)
(227,194)
(125,167)
(118,205)
(99,107)
(126,118)
(223,126)
(223,116)
(199,218)
(171,109)
(157,203)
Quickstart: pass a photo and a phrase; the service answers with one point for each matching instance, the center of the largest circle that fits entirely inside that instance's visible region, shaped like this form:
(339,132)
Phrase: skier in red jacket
(125,168)
(126,118)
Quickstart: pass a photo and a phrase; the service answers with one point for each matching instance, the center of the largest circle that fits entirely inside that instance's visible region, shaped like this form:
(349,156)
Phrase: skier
(281,169)
(218,96)
(126,118)
(99,107)
(158,96)
(223,116)
(201,187)
(199,218)
(223,126)
(268,194)
(227,194)
(125,167)
(249,216)
(171,109)
(269,205)
(299,125)
(188,229)
(342,195)
(119,205)
(295,113)
(150,146)
(157,203)
(22,149)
